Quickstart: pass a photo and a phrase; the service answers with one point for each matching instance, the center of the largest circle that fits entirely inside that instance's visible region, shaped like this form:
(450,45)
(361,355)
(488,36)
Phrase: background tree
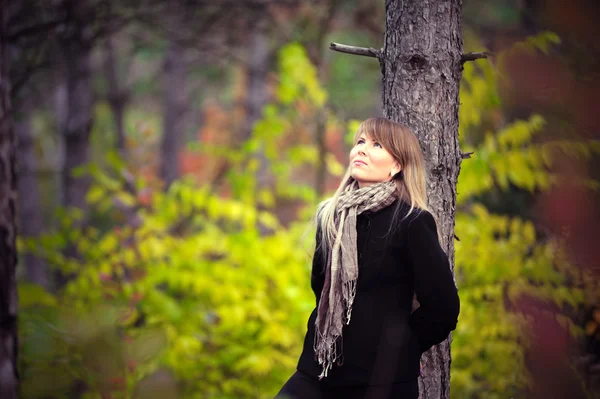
(30,207)
(117,92)
(176,98)
(8,233)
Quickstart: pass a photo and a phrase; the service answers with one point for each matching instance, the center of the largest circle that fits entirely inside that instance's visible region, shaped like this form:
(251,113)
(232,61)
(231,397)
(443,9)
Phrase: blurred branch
(211,27)
(322,151)
(474,56)
(367,52)
(35,60)
(466,155)
(35,29)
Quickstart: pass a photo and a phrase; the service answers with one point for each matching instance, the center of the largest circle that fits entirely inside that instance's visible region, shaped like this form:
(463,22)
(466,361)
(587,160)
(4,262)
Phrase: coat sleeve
(434,285)
(317,276)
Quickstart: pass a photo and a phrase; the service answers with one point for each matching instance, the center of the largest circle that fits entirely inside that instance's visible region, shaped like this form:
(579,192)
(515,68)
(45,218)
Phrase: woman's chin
(357,176)
(365,181)
(361,180)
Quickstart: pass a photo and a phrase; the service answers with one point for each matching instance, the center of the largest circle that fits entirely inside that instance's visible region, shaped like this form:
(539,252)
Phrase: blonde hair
(410,182)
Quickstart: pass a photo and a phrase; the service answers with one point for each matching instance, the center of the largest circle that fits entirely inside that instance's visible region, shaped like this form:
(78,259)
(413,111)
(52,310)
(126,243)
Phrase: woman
(377,247)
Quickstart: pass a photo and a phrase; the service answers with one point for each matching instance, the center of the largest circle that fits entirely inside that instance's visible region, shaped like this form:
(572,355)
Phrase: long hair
(410,182)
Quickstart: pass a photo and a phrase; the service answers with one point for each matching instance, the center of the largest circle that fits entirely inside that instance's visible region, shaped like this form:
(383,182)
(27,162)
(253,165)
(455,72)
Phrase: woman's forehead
(367,135)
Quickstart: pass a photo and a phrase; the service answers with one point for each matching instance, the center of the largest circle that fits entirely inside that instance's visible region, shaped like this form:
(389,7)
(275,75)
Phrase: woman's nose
(361,151)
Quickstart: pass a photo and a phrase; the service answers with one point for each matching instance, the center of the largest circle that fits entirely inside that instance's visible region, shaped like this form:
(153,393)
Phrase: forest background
(171,156)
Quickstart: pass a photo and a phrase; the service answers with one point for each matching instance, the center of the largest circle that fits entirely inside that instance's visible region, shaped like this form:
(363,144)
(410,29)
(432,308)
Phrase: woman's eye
(377,145)
(360,141)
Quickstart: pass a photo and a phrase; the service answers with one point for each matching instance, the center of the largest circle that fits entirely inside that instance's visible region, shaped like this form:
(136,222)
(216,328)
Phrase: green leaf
(31,295)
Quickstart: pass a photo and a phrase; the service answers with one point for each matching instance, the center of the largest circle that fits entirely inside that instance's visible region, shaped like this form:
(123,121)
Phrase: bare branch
(466,155)
(474,56)
(367,52)
(35,29)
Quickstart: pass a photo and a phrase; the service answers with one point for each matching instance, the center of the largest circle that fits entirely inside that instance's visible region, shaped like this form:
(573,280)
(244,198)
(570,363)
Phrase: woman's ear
(395,169)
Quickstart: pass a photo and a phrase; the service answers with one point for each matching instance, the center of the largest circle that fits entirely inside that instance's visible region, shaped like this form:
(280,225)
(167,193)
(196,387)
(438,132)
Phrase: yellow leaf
(333,166)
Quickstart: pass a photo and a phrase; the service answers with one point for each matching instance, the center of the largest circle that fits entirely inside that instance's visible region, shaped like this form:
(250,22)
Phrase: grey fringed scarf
(341,272)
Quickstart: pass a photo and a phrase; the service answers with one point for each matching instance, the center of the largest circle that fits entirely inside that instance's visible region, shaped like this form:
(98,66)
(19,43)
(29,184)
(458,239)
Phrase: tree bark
(30,208)
(76,123)
(421,66)
(315,50)
(117,96)
(529,14)
(259,56)
(258,67)
(174,112)
(74,112)
(8,251)
(256,97)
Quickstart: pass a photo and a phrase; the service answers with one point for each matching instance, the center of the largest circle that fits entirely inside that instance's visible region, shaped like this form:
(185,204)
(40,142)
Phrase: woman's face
(370,163)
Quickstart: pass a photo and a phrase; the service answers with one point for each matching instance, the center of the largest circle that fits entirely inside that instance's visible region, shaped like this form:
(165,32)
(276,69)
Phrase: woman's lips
(357,162)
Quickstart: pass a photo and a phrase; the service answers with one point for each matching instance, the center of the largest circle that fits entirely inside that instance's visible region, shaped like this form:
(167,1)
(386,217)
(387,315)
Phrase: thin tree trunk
(259,54)
(316,51)
(174,110)
(421,66)
(321,174)
(117,96)
(8,251)
(256,98)
(30,207)
(74,113)
(77,124)
(529,16)
(258,68)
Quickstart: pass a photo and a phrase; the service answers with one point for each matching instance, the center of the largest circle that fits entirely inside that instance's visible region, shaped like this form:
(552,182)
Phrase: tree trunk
(529,15)
(258,68)
(8,251)
(315,50)
(77,121)
(174,110)
(30,208)
(259,55)
(74,112)
(421,66)
(117,96)
(256,97)
(321,174)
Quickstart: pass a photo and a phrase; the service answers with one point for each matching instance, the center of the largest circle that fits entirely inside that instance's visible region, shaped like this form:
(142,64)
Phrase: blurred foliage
(194,288)
(500,258)
(282,141)
(182,294)
(180,285)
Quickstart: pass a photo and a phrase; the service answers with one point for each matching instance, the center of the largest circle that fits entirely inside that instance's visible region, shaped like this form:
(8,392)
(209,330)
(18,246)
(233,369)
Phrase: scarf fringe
(327,355)
(349,290)
(327,352)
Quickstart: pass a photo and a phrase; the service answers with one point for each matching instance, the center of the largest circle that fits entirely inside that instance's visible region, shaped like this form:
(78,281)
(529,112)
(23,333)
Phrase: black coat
(384,341)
